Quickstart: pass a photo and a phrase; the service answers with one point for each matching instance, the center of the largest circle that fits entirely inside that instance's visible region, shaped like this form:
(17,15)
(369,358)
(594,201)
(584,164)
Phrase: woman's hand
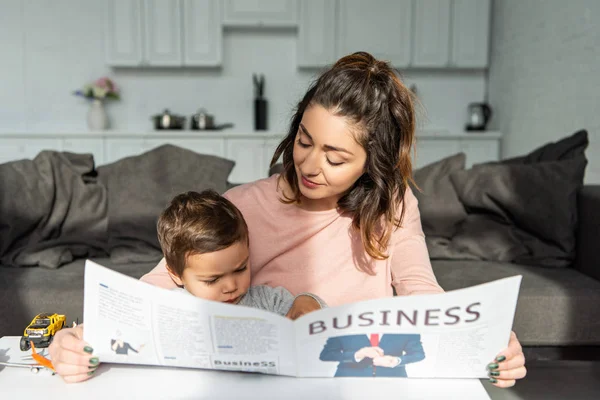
(71,356)
(368,352)
(386,361)
(509,365)
(303,305)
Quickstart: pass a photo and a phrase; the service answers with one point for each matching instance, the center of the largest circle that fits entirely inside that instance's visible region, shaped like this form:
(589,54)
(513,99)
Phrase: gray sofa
(558,309)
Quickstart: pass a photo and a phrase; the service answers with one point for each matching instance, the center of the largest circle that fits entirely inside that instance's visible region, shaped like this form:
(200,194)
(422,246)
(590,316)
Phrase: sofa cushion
(439,205)
(140,187)
(526,213)
(555,306)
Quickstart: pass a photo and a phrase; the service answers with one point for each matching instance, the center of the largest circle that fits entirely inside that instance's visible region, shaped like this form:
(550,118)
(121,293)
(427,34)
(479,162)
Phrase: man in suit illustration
(373,355)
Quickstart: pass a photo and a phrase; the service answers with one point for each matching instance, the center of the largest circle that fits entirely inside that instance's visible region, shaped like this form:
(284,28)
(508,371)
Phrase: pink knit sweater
(317,252)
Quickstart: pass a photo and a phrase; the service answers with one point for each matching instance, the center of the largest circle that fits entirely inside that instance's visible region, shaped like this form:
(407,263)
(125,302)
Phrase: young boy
(204,239)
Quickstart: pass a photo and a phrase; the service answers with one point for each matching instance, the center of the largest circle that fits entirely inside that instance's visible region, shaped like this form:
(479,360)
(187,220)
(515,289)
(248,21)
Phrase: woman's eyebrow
(325,146)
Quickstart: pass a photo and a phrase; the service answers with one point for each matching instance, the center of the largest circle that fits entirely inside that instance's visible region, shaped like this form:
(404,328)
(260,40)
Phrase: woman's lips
(309,184)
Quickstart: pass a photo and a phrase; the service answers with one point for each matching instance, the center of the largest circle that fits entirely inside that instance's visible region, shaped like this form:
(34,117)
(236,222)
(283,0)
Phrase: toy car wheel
(24,344)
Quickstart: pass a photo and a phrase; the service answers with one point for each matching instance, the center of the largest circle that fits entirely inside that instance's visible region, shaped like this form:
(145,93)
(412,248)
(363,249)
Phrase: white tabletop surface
(133,382)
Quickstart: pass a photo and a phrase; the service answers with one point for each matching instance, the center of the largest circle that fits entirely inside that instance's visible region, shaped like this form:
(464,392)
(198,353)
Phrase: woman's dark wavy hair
(371,95)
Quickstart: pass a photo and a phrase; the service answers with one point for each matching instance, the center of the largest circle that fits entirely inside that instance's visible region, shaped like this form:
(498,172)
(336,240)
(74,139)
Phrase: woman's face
(327,158)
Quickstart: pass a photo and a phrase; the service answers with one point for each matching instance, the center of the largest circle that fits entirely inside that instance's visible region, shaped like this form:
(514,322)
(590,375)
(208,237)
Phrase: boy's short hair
(198,223)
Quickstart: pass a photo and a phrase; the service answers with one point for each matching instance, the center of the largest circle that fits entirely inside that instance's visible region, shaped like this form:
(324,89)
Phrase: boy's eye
(211,281)
(241,269)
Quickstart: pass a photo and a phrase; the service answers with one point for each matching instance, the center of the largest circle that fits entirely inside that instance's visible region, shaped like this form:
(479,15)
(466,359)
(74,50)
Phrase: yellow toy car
(41,330)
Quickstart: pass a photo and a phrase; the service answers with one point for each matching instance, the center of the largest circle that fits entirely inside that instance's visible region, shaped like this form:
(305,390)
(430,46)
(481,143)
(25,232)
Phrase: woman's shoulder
(262,189)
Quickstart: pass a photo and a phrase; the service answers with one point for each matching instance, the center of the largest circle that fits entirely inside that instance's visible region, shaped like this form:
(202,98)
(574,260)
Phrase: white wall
(51,47)
(544,80)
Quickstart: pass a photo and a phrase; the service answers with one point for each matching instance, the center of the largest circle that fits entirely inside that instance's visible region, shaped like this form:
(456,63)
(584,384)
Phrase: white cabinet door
(270,13)
(123,35)
(93,146)
(14,149)
(202,32)
(214,147)
(380,27)
(432,150)
(470,33)
(270,147)
(250,160)
(316,33)
(431,46)
(163,32)
(480,151)
(118,148)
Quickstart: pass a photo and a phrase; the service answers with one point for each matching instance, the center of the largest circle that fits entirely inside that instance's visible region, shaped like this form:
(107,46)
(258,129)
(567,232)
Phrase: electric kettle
(478,115)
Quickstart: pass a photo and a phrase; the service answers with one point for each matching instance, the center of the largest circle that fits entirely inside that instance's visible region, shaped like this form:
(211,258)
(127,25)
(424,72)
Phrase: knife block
(260,114)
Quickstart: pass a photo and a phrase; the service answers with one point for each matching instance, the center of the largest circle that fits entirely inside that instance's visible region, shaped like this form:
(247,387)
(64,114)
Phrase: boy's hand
(302,305)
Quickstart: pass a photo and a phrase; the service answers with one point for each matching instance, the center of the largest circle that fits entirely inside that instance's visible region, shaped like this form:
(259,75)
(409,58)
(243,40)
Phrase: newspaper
(449,335)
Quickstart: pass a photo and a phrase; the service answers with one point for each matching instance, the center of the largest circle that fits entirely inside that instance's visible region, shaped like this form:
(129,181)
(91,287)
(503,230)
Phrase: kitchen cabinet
(251,161)
(380,27)
(123,33)
(94,145)
(431,44)
(256,13)
(252,152)
(163,32)
(203,34)
(316,33)
(18,148)
(470,33)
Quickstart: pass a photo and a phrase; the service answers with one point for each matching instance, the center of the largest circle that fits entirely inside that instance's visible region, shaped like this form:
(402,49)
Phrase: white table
(132,382)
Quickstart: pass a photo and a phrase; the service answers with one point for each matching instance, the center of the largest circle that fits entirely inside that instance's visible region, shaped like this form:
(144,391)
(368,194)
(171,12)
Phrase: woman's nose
(312,164)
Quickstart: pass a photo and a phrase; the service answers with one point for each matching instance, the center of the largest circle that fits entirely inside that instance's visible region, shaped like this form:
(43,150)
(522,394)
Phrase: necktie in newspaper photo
(374,343)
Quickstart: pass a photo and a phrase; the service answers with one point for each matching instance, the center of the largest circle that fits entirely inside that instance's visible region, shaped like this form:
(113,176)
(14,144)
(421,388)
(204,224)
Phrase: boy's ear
(173,276)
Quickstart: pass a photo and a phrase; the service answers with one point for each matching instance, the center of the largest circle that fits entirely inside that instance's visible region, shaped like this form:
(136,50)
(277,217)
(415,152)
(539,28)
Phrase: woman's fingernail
(94,361)
(88,349)
(91,372)
(500,358)
(92,367)
(494,373)
(492,366)
(493,380)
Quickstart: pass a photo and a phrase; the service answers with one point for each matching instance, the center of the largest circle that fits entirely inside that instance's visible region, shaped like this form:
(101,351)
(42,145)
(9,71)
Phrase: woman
(341,220)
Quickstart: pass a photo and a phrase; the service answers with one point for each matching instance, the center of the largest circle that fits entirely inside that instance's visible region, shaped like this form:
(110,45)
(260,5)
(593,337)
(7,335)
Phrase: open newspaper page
(131,322)
(450,335)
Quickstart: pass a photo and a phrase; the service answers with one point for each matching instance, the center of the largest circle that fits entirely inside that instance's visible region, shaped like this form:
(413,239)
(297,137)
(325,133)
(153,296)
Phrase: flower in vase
(102,88)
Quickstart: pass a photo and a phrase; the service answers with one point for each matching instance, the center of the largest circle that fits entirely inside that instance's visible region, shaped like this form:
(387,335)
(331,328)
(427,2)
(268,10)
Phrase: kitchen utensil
(260,103)
(166,120)
(203,121)
(478,115)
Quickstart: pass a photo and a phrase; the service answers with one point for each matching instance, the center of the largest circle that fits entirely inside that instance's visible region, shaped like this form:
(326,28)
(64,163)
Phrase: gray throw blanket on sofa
(52,210)
(57,207)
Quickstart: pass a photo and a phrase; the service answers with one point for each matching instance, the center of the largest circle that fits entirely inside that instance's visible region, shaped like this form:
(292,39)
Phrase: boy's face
(222,275)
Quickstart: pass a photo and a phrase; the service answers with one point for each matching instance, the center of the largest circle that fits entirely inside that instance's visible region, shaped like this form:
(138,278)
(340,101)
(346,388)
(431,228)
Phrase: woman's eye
(334,164)
(305,145)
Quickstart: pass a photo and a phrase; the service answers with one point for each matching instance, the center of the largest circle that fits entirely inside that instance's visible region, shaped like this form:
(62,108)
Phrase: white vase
(97,119)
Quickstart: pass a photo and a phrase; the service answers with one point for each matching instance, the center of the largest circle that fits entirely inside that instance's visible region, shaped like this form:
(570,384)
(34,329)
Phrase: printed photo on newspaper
(449,335)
